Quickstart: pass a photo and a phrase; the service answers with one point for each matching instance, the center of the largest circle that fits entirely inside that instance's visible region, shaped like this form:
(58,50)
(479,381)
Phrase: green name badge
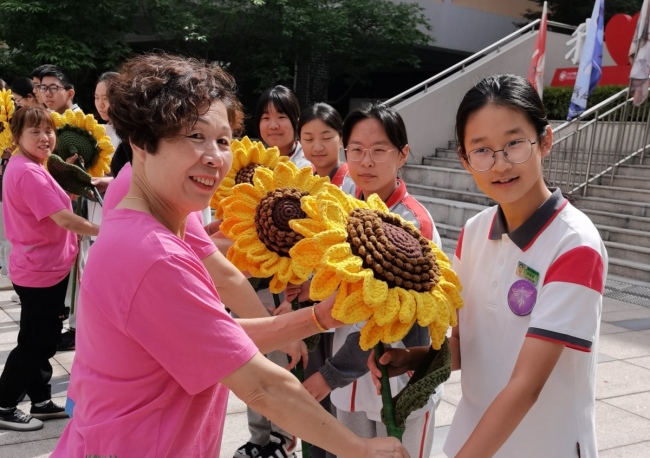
(527,273)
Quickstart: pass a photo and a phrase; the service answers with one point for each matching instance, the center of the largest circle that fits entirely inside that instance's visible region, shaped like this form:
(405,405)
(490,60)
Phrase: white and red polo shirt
(543,280)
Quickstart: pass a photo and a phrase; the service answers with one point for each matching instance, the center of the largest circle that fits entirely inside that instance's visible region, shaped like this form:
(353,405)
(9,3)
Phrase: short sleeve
(40,193)
(569,306)
(197,238)
(176,316)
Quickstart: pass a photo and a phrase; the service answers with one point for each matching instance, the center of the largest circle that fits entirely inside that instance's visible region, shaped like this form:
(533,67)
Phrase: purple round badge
(521,297)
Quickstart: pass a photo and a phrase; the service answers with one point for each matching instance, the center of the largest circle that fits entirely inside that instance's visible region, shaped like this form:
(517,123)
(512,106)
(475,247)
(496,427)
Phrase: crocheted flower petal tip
(257,216)
(7,109)
(385,271)
(247,156)
(79,133)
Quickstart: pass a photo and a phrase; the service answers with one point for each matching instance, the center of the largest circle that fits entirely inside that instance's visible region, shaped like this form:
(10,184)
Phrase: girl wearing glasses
(533,270)
(376,147)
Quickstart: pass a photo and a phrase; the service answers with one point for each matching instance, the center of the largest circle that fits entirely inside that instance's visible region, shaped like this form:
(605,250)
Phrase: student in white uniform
(376,149)
(533,271)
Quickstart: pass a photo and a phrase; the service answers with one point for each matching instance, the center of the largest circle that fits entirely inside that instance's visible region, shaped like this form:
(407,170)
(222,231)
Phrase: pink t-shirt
(42,252)
(195,235)
(153,344)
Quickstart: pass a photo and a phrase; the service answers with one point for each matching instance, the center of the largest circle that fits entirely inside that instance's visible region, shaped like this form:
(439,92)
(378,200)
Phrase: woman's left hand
(295,351)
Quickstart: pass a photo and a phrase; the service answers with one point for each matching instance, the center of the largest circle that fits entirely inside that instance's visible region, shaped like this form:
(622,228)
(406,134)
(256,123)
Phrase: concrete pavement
(623,389)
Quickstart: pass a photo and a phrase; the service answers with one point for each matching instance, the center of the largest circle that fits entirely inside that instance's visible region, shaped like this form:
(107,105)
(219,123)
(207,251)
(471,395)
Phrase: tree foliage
(575,12)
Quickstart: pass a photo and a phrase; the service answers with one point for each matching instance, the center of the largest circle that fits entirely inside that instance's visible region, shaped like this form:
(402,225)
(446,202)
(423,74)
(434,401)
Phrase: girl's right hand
(385,447)
(398,361)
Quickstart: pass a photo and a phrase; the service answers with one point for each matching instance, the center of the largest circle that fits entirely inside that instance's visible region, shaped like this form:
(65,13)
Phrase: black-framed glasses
(515,151)
(377,153)
(52,88)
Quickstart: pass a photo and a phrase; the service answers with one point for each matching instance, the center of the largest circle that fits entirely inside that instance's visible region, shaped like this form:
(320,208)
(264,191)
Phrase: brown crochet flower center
(272,217)
(245,174)
(396,252)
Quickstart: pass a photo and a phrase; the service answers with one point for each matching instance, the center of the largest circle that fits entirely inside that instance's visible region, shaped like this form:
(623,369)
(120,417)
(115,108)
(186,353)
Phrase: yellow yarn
(245,153)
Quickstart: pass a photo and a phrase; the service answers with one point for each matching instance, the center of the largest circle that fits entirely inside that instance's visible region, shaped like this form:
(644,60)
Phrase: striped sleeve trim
(564,339)
(459,245)
(582,266)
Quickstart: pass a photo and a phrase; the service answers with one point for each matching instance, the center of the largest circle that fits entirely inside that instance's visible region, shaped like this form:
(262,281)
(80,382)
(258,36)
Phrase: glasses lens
(518,151)
(379,153)
(355,153)
(481,159)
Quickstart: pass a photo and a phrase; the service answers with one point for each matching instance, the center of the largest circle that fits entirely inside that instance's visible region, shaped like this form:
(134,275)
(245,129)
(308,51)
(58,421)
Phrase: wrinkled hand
(302,291)
(284,307)
(317,386)
(398,361)
(324,313)
(385,447)
(72,159)
(295,351)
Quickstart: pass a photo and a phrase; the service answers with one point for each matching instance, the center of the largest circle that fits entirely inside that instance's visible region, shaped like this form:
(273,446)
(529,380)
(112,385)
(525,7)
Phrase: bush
(557,99)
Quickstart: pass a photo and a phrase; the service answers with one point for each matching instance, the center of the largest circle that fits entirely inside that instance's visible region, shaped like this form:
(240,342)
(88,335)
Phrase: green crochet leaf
(70,177)
(433,371)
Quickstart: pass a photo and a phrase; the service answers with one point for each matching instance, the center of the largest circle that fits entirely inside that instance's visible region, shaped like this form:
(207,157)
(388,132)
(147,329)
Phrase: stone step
(629,269)
(474,197)
(626,236)
(441,177)
(447,231)
(442,162)
(631,253)
(608,218)
(449,212)
(623,194)
(631,182)
(633,170)
(616,205)
(446,153)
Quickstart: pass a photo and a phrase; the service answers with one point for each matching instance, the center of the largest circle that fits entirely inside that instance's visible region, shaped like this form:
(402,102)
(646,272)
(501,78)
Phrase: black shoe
(17,420)
(279,447)
(49,411)
(67,341)
(248,450)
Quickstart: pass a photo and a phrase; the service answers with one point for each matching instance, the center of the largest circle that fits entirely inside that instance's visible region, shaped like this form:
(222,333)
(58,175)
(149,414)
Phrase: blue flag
(590,68)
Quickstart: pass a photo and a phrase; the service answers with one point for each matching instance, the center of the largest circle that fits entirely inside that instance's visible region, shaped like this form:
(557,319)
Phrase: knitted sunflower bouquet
(384,272)
(79,134)
(7,109)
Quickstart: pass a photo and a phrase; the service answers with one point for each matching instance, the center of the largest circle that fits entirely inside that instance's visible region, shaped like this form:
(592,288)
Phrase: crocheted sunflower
(77,133)
(386,272)
(257,217)
(7,109)
(247,157)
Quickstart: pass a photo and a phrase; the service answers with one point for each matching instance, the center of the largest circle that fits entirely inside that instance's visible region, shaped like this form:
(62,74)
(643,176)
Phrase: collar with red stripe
(527,233)
(396,197)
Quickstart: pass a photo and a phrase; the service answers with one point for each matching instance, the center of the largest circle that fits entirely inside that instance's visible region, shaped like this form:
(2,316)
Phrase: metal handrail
(471,59)
(592,109)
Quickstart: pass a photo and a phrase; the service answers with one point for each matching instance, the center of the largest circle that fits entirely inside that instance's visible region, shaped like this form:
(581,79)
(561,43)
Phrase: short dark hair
(26,117)
(40,69)
(157,96)
(284,100)
(511,91)
(325,113)
(389,118)
(56,72)
(23,86)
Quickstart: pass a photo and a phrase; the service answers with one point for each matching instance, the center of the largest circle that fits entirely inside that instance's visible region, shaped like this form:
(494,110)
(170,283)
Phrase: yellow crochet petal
(239,208)
(301,272)
(375,291)
(396,331)
(248,240)
(309,205)
(371,334)
(351,309)
(407,306)
(375,203)
(425,310)
(349,268)
(307,227)
(303,177)
(324,284)
(307,253)
(387,312)
(263,180)
(334,213)
(284,174)
(437,335)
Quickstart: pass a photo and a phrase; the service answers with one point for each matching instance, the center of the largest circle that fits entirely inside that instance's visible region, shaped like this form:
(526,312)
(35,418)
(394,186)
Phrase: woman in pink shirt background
(41,227)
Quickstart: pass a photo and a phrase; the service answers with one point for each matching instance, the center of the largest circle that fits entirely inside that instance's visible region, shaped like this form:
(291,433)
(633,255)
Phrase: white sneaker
(5,283)
(15,298)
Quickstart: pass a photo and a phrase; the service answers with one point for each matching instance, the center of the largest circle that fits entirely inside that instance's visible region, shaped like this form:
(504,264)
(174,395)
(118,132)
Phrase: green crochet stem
(386,397)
